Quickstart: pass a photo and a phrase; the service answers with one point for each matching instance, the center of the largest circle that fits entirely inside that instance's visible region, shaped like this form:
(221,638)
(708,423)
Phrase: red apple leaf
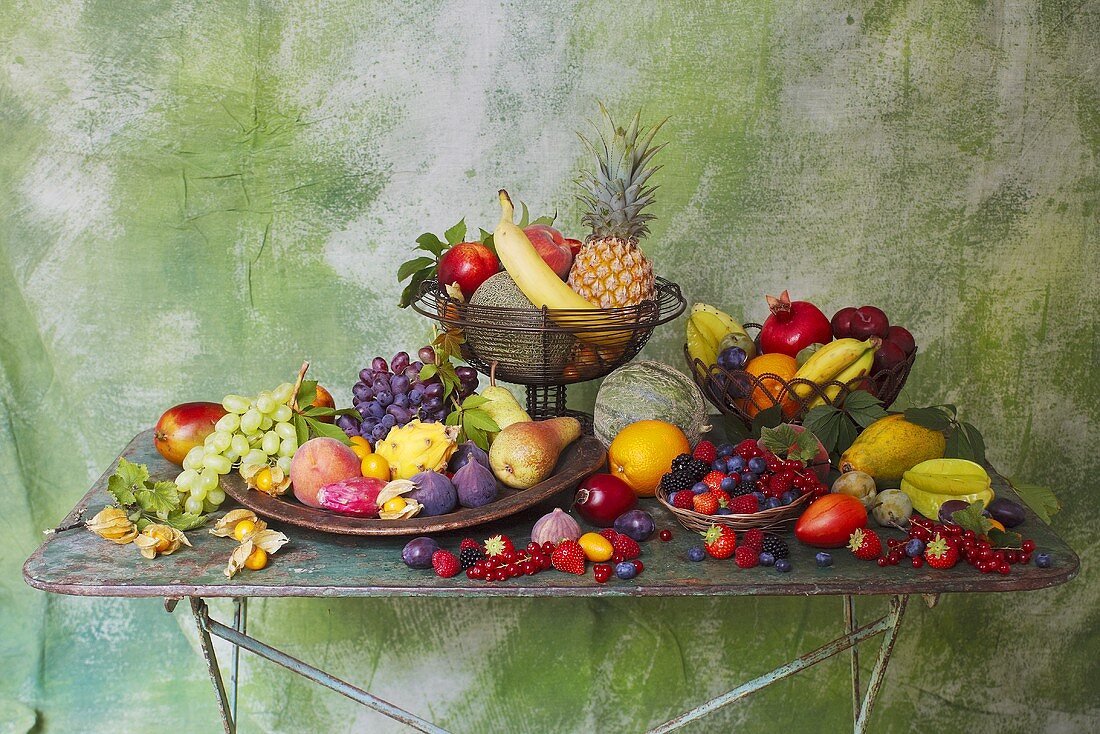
(300,428)
(307,393)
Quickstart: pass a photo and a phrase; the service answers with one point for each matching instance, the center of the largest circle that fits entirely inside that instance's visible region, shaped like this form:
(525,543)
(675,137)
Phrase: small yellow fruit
(242,529)
(376,467)
(256,560)
(360,447)
(397,504)
(263,480)
(596,547)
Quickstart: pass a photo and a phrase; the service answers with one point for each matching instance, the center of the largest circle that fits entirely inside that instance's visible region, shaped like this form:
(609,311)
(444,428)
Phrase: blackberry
(681,462)
(776,546)
(467,557)
(674,481)
(743,489)
(688,464)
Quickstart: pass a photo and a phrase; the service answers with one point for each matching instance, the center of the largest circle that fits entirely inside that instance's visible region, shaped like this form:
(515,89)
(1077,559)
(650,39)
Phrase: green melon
(649,390)
(514,351)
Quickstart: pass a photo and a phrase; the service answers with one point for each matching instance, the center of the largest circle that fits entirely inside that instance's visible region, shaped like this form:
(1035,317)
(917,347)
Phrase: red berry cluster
(946,543)
(511,564)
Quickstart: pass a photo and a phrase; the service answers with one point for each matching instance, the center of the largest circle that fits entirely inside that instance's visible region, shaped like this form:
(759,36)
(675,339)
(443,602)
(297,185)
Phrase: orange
(376,467)
(643,452)
(766,392)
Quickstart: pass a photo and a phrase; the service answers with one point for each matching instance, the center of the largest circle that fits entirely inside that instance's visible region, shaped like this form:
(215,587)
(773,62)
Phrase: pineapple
(610,270)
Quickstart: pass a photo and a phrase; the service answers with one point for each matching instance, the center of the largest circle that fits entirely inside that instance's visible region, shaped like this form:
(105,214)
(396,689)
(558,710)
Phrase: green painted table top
(318,564)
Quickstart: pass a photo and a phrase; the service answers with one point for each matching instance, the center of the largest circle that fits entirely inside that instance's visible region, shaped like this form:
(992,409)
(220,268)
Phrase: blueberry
(748,477)
(767,559)
(723,511)
(696,553)
(724,450)
(735,463)
(788,497)
(699,488)
(625,570)
(1044,560)
(914,548)
(772,502)
(824,559)
(728,484)
(718,465)
(782,565)
(757,464)
(759,497)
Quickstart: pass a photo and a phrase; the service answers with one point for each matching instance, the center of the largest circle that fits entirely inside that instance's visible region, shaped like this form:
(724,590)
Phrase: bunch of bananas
(711,330)
(843,360)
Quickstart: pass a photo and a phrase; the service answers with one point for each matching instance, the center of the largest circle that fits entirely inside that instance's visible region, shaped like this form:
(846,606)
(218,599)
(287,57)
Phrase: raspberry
(776,546)
(713,479)
(468,543)
(746,557)
(778,484)
(747,449)
(445,564)
(746,504)
(470,555)
(626,547)
(705,451)
(705,503)
(610,534)
(683,500)
(753,538)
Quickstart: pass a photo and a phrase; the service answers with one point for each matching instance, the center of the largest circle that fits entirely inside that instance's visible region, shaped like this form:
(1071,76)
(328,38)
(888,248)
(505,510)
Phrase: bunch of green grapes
(253,431)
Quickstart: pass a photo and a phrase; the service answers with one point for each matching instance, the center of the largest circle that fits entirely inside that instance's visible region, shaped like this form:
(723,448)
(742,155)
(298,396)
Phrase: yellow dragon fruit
(417,447)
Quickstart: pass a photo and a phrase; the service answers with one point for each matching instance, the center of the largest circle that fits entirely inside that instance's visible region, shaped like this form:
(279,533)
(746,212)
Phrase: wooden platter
(583,457)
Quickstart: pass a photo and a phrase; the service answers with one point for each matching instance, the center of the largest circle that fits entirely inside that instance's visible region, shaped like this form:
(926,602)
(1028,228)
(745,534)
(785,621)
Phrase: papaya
(891,446)
(931,483)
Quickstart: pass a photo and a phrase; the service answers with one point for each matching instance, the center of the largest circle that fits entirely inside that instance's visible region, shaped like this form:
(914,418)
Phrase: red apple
(603,497)
(183,427)
(900,335)
(888,355)
(551,246)
(469,264)
(829,521)
(820,462)
(574,246)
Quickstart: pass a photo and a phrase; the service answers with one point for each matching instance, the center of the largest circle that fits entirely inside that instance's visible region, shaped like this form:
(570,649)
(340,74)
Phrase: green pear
(526,453)
(503,407)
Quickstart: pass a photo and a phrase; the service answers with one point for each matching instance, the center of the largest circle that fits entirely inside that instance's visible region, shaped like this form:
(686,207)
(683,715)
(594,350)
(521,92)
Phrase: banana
(857,369)
(540,284)
(709,324)
(830,361)
(729,324)
(701,344)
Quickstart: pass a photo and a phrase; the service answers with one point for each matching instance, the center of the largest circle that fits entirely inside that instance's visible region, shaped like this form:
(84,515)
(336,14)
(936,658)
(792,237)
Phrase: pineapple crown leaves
(616,193)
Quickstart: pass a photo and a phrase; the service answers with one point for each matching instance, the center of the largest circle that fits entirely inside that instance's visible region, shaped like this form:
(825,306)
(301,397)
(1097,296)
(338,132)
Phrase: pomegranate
(602,498)
(793,326)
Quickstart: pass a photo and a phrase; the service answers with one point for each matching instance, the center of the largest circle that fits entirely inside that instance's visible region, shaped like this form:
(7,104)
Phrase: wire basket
(547,349)
(777,518)
(744,395)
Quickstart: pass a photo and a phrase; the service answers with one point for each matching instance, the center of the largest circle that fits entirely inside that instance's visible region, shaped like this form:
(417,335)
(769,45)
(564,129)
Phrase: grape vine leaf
(784,442)
(1040,499)
(934,417)
(864,408)
(769,418)
(128,479)
(160,499)
(823,421)
(185,520)
(972,518)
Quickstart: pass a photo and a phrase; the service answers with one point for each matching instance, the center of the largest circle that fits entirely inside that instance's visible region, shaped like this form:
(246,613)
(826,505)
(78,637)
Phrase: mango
(891,446)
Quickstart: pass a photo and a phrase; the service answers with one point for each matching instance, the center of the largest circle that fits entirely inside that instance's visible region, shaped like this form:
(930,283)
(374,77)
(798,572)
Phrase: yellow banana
(830,361)
(729,324)
(701,344)
(540,284)
(857,369)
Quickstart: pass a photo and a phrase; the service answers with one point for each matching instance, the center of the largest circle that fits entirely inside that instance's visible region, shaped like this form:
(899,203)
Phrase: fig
(1007,512)
(635,524)
(435,492)
(475,484)
(418,552)
(950,507)
(466,452)
(554,527)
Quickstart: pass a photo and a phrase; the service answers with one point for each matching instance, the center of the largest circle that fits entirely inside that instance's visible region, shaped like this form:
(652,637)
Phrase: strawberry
(469,543)
(445,564)
(568,557)
(684,499)
(610,534)
(498,545)
(865,544)
(753,538)
(747,449)
(719,541)
(746,557)
(625,546)
(941,554)
(705,450)
(722,496)
(705,503)
(746,504)
(713,480)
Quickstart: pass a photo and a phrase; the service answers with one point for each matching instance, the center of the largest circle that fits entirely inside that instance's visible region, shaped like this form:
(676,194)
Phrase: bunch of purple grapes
(393,394)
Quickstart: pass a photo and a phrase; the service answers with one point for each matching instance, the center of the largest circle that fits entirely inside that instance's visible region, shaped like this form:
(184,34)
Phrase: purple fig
(435,492)
(466,452)
(475,484)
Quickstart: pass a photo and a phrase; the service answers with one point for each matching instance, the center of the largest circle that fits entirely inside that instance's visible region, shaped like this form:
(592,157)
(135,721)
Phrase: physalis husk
(264,478)
(160,539)
(225,525)
(407,508)
(269,540)
(113,524)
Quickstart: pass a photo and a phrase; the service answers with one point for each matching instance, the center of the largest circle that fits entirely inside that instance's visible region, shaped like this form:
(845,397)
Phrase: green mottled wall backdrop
(196,195)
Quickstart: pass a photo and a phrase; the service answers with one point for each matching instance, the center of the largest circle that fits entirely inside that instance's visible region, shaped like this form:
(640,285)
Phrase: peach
(317,462)
(552,247)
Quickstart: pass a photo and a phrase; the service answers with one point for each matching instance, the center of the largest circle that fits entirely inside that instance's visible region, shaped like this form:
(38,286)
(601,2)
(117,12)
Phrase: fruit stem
(507,210)
(298,386)
(493,373)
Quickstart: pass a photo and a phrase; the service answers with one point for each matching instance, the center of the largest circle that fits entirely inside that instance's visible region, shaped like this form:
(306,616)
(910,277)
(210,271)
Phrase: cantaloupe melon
(649,390)
(514,350)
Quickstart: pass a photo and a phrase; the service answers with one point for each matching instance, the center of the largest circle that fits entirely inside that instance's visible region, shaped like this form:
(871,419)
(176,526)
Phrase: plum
(888,356)
(435,492)
(900,336)
(1006,512)
(950,507)
(892,507)
(635,524)
(418,552)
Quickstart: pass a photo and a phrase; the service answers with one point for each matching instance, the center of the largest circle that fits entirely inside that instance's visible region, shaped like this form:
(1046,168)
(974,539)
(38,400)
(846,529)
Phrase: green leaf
(786,443)
(977,443)
(410,291)
(548,220)
(427,372)
(457,233)
(127,479)
(864,408)
(453,418)
(478,436)
(972,518)
(474,401)
(525,216)
(957,447)
(933,417)
(327,430)
(735,429)
(1005,538)
(486,239)
(769,418)
(300,428)
(161,499)
(846,434)
(307,393)
(824,422)
(411,266)
(430,243)
(141,523)
(479,419)
(1040,499)
(185,521)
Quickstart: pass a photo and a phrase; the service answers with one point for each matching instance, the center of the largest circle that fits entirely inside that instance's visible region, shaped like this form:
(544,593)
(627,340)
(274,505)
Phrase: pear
(526,453)
(502,406)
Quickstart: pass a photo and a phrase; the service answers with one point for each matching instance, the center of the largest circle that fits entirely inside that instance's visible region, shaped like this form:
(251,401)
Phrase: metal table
(319,565)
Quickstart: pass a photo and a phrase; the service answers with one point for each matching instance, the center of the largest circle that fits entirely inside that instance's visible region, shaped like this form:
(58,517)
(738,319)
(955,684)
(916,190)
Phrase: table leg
(878,673)
(202,620)
(240,623)
(850,624)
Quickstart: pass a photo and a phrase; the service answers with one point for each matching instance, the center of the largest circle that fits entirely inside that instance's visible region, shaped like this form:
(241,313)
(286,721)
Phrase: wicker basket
(776,519)
(736,392)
